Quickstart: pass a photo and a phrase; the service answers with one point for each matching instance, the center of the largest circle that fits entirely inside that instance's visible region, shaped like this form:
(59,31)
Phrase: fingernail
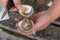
(33,31)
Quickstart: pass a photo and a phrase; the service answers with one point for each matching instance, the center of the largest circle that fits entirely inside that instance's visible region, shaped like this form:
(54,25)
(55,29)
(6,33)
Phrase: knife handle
(10,4)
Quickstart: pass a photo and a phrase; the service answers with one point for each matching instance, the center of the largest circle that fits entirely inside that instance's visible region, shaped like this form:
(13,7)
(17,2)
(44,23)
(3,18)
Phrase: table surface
(50,33)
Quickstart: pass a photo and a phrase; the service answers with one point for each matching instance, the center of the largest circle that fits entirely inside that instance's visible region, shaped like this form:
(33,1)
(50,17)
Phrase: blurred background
(8,30)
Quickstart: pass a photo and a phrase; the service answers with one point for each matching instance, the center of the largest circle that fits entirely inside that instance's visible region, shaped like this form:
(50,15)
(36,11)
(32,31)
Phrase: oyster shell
(26,11)
(26,25)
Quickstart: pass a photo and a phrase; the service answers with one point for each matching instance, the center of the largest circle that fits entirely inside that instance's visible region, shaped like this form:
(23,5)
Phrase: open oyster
(26,25)
(26,11)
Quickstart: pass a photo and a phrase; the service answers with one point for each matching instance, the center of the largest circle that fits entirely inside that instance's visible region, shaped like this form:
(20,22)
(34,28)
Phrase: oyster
(26,11)
(26,25)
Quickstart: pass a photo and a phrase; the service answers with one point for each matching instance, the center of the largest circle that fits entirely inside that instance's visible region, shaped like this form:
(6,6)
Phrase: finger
(13,9)
(34,18)
(33,30)
(44,19)
(40,14)
(4,2)
(43,27)
(17,3)
(17,19)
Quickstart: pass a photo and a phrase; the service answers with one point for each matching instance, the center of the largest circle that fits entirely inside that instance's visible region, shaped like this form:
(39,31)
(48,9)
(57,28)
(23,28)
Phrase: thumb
(33,30)
(17,3)
(44,19)
(4,2)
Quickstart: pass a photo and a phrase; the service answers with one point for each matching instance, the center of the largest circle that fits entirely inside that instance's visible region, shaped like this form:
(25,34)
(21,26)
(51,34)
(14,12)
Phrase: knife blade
(9,5)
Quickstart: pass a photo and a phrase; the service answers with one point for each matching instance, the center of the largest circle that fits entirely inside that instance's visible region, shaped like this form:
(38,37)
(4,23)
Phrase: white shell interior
(50,3)
(28,11)
(19,24)
(29,8)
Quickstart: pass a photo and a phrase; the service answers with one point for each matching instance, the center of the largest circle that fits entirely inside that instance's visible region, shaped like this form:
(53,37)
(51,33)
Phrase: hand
(16,2)
(41,20)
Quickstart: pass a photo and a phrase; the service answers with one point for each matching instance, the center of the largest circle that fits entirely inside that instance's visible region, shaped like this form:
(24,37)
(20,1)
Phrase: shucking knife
(9,5)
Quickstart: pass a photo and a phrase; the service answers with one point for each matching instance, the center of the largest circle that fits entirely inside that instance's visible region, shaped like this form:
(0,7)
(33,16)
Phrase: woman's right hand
(16,2)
